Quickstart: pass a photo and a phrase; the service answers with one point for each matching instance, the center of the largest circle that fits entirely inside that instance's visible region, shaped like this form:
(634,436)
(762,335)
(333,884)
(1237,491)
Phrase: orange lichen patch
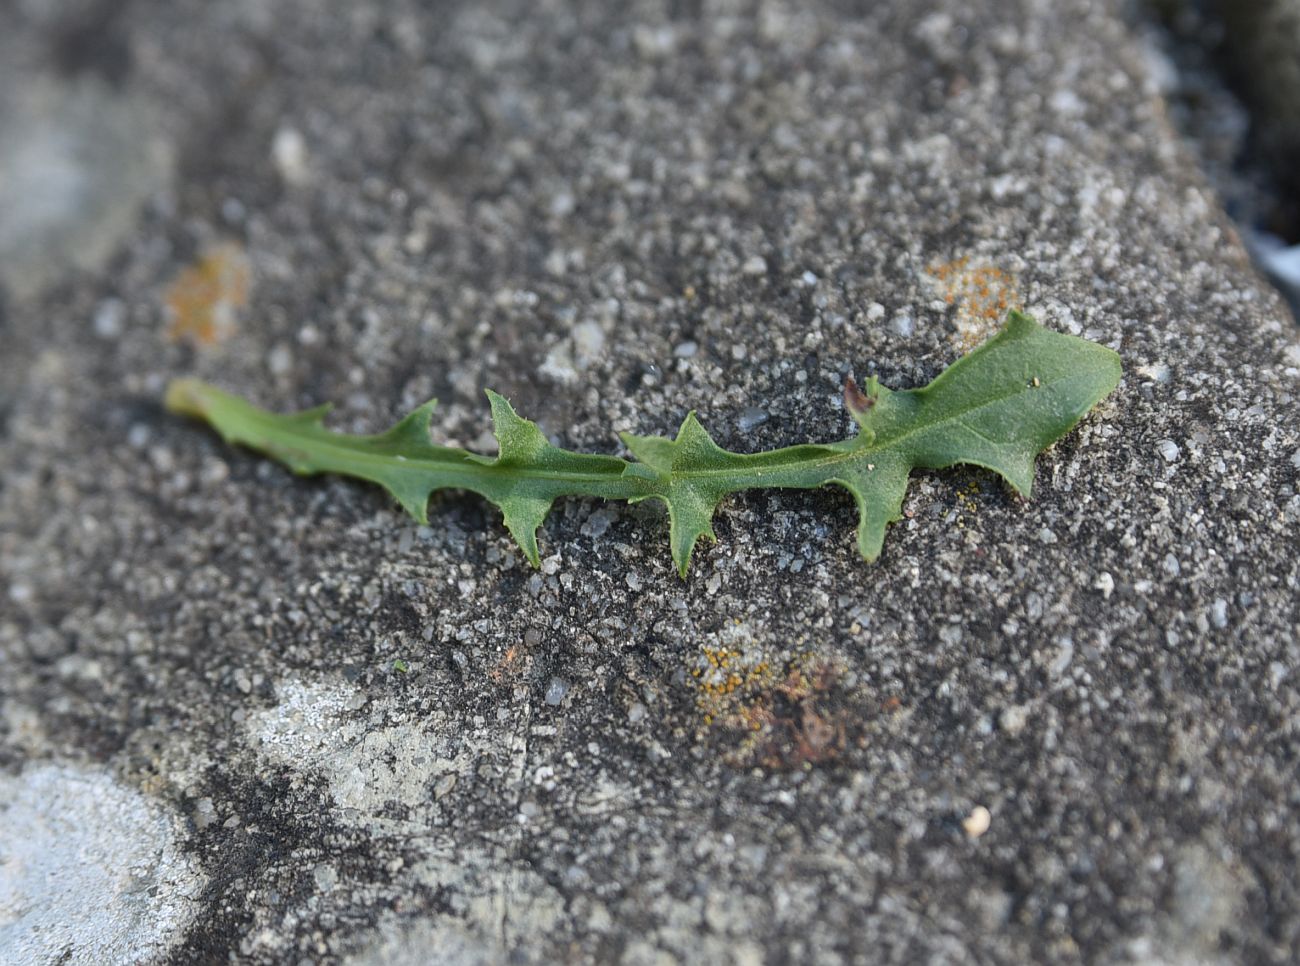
(202,301)
(509,665)
(725,676)
(982,294)
(775,714)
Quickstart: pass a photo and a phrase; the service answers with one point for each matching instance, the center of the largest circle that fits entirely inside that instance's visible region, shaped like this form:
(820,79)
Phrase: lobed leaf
(997,407)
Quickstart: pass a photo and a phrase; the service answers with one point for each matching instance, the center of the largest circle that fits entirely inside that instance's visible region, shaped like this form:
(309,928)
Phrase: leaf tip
(855,400)
(1018,322)
(692,429)
(186,397)
(501,408)
(417,506)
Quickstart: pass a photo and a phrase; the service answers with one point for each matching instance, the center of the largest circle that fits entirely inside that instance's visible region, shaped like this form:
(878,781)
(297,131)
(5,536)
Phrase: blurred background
(85,143)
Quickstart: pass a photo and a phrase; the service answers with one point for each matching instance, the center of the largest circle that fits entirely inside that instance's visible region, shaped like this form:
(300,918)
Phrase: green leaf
(997,407)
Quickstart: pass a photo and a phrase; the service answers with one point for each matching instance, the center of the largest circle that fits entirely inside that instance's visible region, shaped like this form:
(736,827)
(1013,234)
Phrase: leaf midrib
(457,462)
(875,449)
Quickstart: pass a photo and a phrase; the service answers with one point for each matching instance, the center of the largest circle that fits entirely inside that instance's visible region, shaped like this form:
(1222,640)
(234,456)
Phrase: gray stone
(91,871)
(783,757)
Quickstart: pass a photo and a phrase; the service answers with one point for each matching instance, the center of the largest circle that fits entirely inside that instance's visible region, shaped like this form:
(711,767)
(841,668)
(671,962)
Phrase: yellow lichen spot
(982,294)
(202,301)
(966,503)
(764,708)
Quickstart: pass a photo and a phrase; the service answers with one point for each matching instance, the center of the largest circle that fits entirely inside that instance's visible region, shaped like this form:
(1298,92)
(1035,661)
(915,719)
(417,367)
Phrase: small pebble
(289,154)
(751,418)
(685,350)
(442,788)
(279,360)
(1169,450)
(1219,613)
(977,822)
(325,877)
(1155,372)
(596,524)
(755,265)
(589,341)
(1013,719)
(137,437)
(108,318)
(556,690)
(1105,583)
(205,813)
(633,580)
(1277,673)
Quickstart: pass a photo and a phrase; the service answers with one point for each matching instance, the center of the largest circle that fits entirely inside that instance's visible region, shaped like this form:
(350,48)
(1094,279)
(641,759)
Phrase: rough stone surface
(1055,730)
(90,871)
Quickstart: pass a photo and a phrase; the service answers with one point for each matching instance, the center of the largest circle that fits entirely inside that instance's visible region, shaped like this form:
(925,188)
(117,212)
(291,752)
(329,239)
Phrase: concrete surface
(1062,730)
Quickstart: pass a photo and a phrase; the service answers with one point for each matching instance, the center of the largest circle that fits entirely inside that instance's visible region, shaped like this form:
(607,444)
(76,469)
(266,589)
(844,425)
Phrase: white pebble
(755,265)
(137,437)
(289,153)
(589,341)
(1169,450)
(977,822)
(1105,583)
(279,360)
(108,318)
(1219,613)
(1013,719)
(562,204)
(1156,372)
(685,350)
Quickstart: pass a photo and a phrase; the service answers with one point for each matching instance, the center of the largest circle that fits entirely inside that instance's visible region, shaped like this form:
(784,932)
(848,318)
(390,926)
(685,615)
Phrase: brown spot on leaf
(855,400)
